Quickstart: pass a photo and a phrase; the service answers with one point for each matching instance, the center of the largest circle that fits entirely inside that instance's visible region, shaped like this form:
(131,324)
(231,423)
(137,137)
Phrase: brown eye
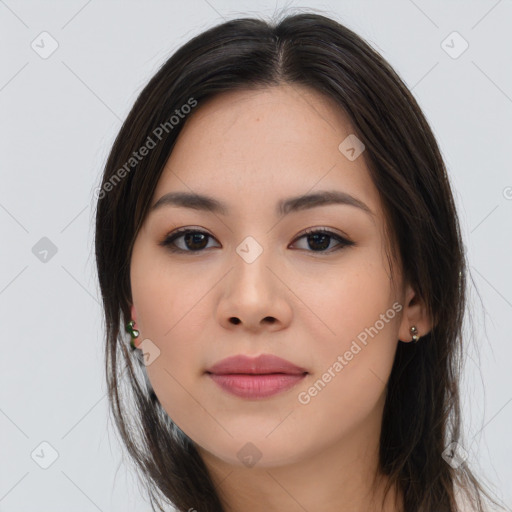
(319,240)
(193,240)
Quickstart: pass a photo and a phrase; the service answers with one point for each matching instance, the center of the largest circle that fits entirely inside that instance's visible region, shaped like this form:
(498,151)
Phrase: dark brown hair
(421,416)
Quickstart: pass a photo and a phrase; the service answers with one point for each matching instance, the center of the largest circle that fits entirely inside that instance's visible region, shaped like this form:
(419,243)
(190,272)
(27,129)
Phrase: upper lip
(263,364)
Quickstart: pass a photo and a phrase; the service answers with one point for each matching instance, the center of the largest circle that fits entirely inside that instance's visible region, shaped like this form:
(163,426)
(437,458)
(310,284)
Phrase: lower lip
(256,386)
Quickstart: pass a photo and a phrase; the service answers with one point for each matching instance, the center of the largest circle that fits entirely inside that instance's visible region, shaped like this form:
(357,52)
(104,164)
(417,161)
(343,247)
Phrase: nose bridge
(253,281)
(251,260)
(250,250)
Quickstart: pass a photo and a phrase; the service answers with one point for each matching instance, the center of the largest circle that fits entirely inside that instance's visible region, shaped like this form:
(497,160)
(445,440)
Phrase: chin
(255,452)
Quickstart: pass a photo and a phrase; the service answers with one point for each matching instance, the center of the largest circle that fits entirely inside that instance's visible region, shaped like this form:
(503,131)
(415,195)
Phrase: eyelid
(324,229)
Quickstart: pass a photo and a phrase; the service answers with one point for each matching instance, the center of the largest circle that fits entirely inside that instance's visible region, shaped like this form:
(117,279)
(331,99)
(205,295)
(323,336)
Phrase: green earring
(133,332)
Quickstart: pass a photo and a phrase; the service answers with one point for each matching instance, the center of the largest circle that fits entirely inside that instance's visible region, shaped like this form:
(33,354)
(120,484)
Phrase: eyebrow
(285,206)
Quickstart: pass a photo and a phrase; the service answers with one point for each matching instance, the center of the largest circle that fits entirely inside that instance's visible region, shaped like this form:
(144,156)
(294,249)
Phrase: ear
(414,314)
(133,313)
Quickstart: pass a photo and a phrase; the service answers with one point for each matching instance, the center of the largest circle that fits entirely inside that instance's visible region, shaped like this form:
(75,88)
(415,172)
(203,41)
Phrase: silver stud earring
(414,334)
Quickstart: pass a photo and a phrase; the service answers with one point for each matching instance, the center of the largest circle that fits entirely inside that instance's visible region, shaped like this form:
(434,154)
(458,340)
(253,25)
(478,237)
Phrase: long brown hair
(422,416)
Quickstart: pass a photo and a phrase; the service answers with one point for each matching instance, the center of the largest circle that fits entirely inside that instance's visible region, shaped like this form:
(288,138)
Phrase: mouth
(255,377)
(262,364)
(256,385)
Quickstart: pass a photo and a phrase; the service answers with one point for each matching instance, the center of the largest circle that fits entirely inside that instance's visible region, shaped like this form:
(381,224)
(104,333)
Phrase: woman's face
(255,283)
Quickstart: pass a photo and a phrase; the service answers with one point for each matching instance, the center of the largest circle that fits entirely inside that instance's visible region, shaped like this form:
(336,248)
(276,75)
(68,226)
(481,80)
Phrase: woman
(276,232)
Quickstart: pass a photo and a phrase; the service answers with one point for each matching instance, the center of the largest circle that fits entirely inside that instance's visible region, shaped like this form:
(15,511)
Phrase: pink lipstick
(259,377)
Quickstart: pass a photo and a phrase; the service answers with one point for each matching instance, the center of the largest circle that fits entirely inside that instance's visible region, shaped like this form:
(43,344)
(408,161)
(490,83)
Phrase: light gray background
(59,117)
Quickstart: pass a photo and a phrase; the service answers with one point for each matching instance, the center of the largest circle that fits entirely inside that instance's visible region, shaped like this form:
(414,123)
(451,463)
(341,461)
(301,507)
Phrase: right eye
(194,240)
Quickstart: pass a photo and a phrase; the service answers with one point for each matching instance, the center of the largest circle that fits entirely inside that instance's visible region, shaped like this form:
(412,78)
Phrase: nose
(254,295)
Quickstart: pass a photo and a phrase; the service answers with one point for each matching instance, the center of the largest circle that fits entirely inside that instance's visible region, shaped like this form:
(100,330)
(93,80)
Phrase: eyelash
(171,237)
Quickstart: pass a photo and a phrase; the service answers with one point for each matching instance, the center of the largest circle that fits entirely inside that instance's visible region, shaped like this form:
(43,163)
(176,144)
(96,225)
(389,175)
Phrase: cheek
(165,296)
(174,370)
(353,299)
(174,322)
(353,359)
(169,313)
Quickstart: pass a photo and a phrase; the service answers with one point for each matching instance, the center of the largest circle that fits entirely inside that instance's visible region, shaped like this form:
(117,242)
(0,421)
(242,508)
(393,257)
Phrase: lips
(255,377)
(261,365)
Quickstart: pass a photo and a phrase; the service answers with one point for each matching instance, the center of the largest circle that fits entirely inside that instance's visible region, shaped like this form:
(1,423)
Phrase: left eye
(195,240)
(322,240)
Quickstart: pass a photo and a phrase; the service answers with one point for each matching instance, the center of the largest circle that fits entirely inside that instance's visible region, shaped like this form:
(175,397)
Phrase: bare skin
(300,299)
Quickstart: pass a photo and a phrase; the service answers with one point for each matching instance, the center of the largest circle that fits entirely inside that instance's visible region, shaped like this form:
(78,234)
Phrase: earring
(133,332)
(414,333)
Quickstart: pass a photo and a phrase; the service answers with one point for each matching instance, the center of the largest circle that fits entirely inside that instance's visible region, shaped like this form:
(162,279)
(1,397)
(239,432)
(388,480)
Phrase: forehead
(255,146)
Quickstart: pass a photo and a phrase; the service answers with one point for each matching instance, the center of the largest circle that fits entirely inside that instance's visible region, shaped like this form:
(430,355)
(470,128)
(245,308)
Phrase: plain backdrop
(70,72)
